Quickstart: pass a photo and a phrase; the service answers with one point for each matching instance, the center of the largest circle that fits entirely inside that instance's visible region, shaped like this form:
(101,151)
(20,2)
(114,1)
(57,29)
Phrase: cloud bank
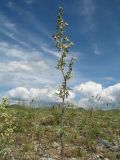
(39,96)
(88,94)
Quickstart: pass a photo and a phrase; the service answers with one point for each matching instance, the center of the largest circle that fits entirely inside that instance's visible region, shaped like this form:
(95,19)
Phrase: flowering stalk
(63,44)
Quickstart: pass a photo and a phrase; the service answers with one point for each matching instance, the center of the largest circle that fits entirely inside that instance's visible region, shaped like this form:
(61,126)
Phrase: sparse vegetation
(6,129)
(36,134)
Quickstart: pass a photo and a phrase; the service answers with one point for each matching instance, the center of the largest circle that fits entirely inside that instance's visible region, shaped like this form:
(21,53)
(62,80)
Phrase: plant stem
(62,111)
(62,133)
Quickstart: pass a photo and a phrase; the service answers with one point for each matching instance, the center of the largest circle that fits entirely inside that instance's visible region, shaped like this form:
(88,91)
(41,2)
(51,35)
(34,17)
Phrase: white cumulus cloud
(88,89)
(46,94)
(19,93)
(89,94)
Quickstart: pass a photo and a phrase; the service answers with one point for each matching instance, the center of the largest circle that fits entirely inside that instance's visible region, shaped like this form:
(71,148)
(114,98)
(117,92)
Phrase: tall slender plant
(63,44)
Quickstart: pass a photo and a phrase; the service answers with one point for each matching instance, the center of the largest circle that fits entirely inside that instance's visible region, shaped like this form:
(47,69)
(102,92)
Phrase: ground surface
(88,134)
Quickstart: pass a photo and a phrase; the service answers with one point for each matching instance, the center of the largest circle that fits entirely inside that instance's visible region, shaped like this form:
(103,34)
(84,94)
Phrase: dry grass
(37,135)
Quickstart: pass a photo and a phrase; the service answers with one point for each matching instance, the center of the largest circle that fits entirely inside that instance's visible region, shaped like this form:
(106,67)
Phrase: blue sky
(27,52)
